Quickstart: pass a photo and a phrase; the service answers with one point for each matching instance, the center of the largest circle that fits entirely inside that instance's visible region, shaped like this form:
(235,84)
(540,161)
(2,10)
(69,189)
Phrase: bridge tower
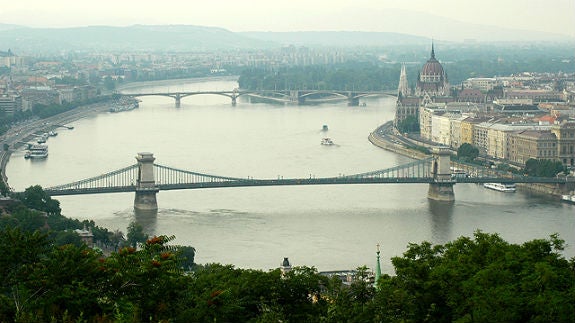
(442,187)
(234,97)
(146,188)
(178,98)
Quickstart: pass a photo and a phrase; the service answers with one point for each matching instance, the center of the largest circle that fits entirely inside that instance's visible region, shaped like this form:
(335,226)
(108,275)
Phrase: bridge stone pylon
(442,187)
(146,188)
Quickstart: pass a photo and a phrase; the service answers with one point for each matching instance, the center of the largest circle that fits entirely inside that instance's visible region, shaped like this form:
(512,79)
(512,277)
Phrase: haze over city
(441,19)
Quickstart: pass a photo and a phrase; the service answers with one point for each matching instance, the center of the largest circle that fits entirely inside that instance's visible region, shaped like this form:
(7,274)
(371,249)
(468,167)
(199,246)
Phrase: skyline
(410,17)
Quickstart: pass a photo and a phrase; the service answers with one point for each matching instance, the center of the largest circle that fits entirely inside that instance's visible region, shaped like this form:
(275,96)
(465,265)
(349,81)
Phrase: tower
(403,87)
(146,188)
(377,269)
(285,266)
(432,78)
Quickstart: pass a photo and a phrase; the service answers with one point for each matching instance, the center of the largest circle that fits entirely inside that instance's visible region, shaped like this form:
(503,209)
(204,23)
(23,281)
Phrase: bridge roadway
(310,181)
(293,96)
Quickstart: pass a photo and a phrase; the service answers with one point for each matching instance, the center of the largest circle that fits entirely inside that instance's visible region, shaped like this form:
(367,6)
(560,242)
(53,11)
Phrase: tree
(544,168)
(136,234)
(410,124)
(4,189)
(467,152)
(34,197)
(484,279)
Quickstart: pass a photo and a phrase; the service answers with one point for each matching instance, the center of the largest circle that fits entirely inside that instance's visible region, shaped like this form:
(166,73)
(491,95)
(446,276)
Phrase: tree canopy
(467,152)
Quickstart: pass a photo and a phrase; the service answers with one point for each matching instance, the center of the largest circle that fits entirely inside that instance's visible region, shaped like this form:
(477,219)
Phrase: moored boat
(501,187)
(37,152)
(327,141)
(569,198)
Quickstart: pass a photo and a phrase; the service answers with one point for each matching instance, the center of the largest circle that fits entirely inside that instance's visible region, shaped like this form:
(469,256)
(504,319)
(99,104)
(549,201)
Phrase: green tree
(34,197)
(136,234)
(4,189)
(467,152)
(409,125)
(484,279)
(544,168)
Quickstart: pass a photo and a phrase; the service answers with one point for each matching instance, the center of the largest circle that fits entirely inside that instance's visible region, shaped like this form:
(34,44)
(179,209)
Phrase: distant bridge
(146,179)
(283,96)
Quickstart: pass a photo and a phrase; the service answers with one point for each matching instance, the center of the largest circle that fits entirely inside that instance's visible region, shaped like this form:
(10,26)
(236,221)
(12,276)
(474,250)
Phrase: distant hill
(182,38)
(337,38)
(134,38)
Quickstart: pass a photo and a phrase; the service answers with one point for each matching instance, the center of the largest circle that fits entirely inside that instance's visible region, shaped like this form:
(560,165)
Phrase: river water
(332,227)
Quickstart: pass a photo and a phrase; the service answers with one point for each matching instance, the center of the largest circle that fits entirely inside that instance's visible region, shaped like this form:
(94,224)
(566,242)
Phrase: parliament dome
(432,78)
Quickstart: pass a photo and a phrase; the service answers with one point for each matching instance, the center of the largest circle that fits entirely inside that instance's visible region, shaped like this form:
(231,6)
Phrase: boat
(569,198)
(327,142)
(324,128)
(125,105)
(52,133)
(501,187)
(37,152)
(42,138)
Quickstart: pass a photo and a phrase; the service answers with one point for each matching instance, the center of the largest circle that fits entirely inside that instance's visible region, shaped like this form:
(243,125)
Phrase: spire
(432,50)
(403,87)
(377,268)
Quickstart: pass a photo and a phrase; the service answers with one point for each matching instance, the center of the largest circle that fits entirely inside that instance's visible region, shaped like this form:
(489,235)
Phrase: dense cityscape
(54,268)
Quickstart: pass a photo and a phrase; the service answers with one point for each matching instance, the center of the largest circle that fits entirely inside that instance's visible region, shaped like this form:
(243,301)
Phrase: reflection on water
(441,220)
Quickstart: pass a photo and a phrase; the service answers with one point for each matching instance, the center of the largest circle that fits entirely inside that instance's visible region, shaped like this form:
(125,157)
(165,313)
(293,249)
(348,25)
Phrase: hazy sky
(557,16)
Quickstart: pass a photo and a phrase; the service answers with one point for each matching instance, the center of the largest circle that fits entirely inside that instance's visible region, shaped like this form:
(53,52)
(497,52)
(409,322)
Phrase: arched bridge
(147,178)
(284,96)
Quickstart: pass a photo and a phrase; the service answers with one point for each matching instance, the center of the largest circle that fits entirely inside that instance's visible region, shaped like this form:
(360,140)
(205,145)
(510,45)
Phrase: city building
(564,131)
(431,86)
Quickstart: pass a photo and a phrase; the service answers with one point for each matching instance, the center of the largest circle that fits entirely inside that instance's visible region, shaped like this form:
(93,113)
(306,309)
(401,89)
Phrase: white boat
(569,198)
(326,142)
(42,138)
(37,152)
(501,187)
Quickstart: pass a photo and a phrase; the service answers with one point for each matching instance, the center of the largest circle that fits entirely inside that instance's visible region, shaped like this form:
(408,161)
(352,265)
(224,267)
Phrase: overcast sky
(556,16)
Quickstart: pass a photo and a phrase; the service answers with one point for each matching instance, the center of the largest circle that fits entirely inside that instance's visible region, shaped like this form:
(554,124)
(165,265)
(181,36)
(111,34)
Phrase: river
(333,227)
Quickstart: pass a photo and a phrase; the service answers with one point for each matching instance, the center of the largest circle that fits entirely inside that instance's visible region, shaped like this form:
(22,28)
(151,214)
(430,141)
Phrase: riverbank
(20,135)
(384,138)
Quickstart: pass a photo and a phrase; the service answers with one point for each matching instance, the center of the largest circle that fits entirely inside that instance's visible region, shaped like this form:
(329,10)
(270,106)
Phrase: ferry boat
(327,142)
(501,187)
(37,152)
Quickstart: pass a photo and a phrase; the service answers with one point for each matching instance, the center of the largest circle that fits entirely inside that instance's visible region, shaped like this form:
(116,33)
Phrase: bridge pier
(442,187)
(146,188)
(234,100)
(352,99)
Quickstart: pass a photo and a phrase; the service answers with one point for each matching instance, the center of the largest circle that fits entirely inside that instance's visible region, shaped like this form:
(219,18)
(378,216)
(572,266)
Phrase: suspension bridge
(146,179)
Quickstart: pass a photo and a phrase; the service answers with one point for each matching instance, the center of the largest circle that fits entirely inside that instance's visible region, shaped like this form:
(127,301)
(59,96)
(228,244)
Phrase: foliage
(409,125)
(479,279)
(484,279)
(359,76)
(544,168)
(136,234)
(467,152)
(4,189)
(35,198)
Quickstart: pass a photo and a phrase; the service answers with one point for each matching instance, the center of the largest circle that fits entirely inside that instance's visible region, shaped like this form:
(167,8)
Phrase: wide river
(331,227)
